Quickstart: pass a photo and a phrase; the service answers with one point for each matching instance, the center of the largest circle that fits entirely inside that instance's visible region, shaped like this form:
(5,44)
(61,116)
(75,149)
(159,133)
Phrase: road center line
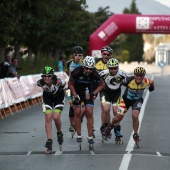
(130,146)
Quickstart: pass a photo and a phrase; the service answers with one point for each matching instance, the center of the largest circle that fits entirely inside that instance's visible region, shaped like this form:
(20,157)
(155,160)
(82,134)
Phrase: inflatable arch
(127,23)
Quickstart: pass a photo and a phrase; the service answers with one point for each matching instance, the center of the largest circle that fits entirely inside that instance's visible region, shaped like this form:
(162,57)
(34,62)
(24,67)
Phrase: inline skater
(132,97)
(53,103)
(75,62)
(81,78)
(101,64)
(111,94)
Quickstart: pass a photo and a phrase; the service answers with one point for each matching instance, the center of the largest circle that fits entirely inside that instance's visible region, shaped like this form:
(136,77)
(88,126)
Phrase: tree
(133,42)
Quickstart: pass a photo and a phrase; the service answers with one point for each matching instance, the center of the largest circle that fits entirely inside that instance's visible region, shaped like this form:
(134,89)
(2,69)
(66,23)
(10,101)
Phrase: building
(162,53)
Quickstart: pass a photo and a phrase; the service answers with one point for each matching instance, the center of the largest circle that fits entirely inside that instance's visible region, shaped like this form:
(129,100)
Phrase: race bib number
(120,110)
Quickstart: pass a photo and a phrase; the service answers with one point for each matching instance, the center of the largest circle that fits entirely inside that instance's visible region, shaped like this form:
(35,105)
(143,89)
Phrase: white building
(162,53)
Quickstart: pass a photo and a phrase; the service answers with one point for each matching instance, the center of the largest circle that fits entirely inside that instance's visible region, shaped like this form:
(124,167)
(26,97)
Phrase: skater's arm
(72,89)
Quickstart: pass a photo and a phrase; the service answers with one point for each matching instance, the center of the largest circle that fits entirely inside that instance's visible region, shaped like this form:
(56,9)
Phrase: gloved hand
(58,83)
(151,87)
(76,100)
(92,96)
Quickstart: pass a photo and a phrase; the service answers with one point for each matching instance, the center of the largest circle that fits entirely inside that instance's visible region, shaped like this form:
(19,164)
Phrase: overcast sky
(144,6)
(164,2)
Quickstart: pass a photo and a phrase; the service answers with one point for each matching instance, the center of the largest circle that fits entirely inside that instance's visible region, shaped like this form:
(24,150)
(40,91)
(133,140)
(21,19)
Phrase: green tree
(133,42)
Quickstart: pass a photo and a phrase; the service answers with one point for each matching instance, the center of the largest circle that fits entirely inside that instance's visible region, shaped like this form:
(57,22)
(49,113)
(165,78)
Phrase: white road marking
(29,153)
(130,146)
(158,153)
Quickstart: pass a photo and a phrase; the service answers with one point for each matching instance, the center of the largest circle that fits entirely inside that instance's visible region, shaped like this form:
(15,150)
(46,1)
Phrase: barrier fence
(17,94)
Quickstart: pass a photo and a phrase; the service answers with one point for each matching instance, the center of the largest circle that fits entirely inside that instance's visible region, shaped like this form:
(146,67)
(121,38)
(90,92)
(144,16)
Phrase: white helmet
(89,62)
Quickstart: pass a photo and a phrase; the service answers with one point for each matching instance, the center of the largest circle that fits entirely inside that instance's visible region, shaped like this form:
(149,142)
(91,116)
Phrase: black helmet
(107,48)
(48,70)
(78,50)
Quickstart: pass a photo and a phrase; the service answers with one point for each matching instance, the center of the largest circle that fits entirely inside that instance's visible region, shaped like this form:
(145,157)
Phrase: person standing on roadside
(12,69)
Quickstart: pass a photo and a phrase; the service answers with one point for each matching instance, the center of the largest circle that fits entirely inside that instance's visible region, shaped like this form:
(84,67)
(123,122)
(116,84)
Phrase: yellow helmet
(112,62)
(139,70)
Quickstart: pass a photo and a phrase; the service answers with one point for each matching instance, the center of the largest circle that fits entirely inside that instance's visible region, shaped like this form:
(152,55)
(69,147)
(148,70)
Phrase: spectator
(12,69)
(61,64)
(5,65)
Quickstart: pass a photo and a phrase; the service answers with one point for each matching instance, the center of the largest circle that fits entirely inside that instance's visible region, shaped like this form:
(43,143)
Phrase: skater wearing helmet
(80,84)
(101,64)
(132,97)
(110,96)
(75,62)
(53,103)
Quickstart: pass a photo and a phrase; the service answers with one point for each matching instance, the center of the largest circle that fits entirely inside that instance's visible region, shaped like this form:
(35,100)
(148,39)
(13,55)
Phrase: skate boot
(72,130)
(102,131)
(136,139)
(48,146)
(107,131)
(91,143)
(118,135)
(60,139)
(79,140)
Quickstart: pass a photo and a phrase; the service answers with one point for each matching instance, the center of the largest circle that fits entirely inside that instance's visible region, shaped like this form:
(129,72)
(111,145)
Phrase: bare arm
(71,87)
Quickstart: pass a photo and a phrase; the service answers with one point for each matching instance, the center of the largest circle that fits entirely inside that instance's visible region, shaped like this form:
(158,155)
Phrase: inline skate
(91,143)
(136,139)
(48,146)
(102,128)
(107,133)
(60,139)
(93,133)
(79,140)
(118,135)
(72,130)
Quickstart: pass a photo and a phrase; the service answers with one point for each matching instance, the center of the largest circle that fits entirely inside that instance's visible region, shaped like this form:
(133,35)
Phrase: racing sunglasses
(113,68)
(79,55)
(139,75)
(106,54)
(87,68)
(43,76)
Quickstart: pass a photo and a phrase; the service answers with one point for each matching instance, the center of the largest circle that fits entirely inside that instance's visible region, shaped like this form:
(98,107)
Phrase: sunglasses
(140,75)
(87,68)
(106,54)
(46,76)
(113,68)
(79,55)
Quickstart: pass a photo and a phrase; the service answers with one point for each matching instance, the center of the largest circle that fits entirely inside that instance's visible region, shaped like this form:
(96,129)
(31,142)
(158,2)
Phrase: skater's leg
(57,120)
(48,125)
(71,118)
(77,119)
(135,118)
(90,119)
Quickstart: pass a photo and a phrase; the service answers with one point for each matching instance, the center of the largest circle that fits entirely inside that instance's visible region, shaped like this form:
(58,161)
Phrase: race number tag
(120,110)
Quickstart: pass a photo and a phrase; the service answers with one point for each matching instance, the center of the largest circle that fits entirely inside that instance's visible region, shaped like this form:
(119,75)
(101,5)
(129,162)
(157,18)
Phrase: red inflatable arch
(127,23)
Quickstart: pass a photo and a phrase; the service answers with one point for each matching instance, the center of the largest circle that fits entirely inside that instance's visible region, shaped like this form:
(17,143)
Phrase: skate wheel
(118,140)
(60,146)
(73,133)
(103,139)
(137,144)
(91,147)
(48,151)
(80,146)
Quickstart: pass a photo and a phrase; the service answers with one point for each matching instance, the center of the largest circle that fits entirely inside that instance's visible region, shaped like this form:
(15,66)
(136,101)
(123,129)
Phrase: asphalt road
(22,139)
